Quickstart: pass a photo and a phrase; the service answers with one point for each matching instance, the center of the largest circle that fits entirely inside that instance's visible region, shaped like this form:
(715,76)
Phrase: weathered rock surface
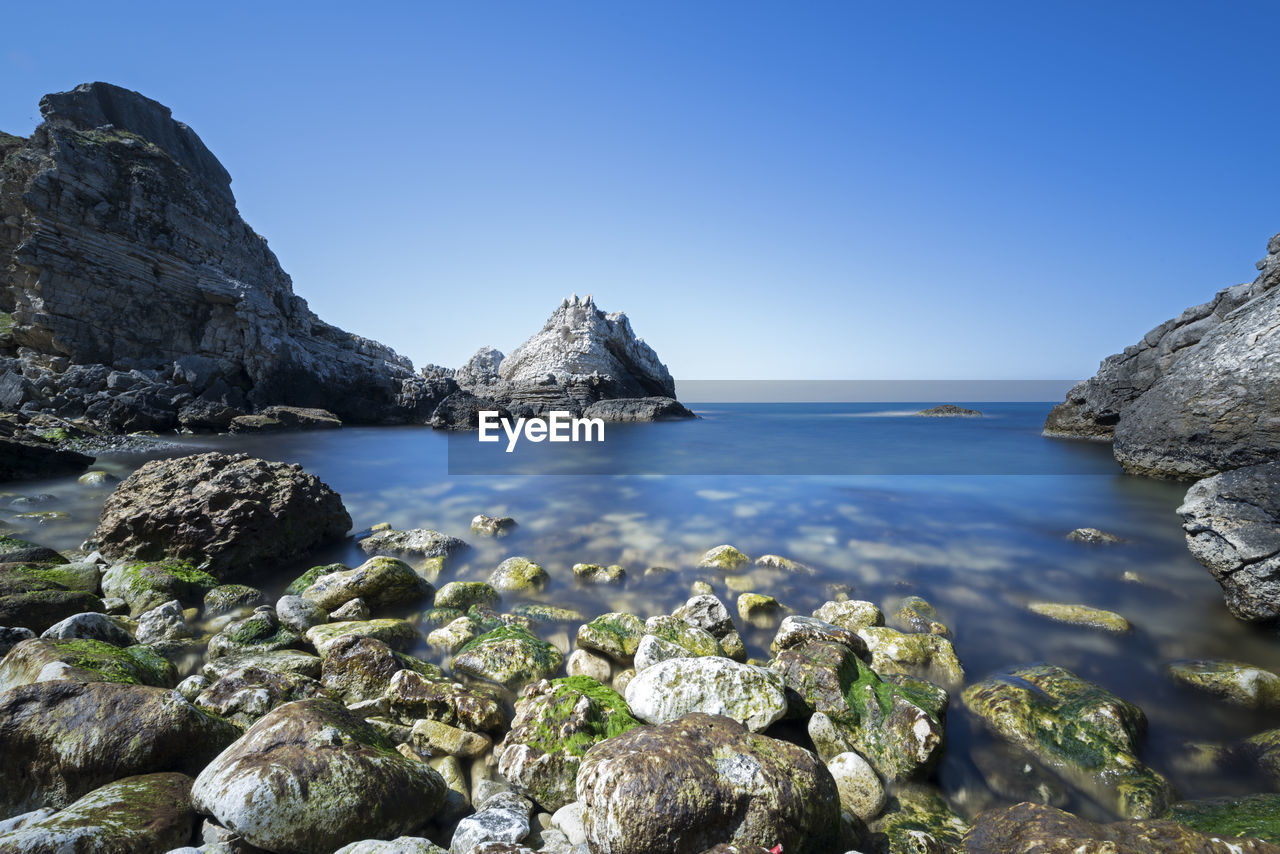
(311,776)
(63,739)
(701,780)
(147,814)
(752,696)
(78,660)
(1234,682)
(227,513)
(1232,522)
(948,410)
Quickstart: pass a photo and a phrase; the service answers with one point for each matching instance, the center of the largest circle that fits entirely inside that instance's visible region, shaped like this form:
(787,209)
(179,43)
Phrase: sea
(970,513)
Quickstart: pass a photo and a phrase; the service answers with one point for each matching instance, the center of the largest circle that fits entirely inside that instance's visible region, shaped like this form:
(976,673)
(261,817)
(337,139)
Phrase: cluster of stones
(153,703)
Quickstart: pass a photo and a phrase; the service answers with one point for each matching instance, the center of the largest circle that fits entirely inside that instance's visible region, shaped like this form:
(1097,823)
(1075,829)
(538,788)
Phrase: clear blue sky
(770,190)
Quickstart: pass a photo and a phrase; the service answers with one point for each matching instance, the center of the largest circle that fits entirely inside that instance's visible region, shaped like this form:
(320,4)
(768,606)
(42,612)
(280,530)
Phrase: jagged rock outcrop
(579,357)
(133,292)
(1193,397)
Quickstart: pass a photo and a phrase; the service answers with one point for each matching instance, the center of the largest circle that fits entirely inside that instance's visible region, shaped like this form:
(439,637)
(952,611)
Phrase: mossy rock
(1234,682)
(1078,729)
(1081,615)
(381,582)
(226,598)
(518,575)
(259,632)
(695,641)
(84,660)
(464,594)
(916,818)
(147,584)
(15,550)
(539,613)
(83,576)
(510,656)
(594,573)
(555,724)
(434,618)
(931,656)
(302,582)
(31,601)
(397,634)
(1245,815)
(916,614)
(616,634)
(724,557)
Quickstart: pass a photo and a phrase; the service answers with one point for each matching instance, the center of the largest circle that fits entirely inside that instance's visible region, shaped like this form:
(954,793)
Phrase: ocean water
(971,514)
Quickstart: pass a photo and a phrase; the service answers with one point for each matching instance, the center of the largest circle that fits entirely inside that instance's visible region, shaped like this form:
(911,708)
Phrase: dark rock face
(1232,523)
(121,248)
(1035,827)
(580,356)
(949,410)
(1191,398)
(701,780)
(226,513)
(24,460)
(63,739)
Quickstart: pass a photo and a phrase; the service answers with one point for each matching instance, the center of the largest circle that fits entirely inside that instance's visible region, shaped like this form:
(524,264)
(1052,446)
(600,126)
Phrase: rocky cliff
(135,295)
(1198,394)
(580,357)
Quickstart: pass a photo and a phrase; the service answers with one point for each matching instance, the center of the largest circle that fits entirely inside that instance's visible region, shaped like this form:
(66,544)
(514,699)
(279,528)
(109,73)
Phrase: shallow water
(979,546)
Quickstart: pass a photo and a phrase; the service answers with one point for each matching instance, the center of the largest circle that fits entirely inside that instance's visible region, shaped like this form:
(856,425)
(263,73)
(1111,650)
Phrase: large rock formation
(1195,396)
(579,357)
(131,289)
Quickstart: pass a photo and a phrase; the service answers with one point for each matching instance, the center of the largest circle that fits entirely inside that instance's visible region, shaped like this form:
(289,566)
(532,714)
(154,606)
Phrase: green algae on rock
(1235,682)
(464,594)
(916,818)
(1077,729)
(518,575)
(594,573)
(144,585)
(929,656)
(381,581)
(82,660)
(1081,615)
(510,656)
(302,582)
(616,634)
(695,641)
(228,598)
(397,634)
(724,557)
(1240,815)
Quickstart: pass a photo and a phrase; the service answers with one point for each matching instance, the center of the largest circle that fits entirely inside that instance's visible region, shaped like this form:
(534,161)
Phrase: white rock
(861,791)
(669,689)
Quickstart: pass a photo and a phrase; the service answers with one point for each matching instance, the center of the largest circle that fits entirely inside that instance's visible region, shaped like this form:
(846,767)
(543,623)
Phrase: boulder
(509,656)
(382,582)
(419,542)
(247,693)
(623,409)
(360,668)
(701,780)
(311,776)
(43,659)
(1234,682)
(227,513)
(1232,523)
(752,696)
(89,626)
(144,585)
(63,739)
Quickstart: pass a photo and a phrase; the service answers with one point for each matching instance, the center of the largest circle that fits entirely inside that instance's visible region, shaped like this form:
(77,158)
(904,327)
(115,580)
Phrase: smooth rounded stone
(261,512)
(464,594)
(78,660)
(435,739)
(90,626)
(785,564)
(1081,731)
(693,640)
(1081,615)
(929,656)
(83,576)
(861,792)
(731,785)
(191,687)
(582,662)
(399,845)
(555,724)
(259,632)
(492,526)
(622,680)
(242,696)
(147,585)
(418,541)
(1235,682)
(281,661)
(397,634)
(229,598)
(734,647)
(1093,536)
(796,630)
(16,550)
(1243,815)
(896,723)
(96,478)
(302,582)
(297,614)
(851,614)
(1036,827)
(12,636)
(458,797)
(163,623)
(498,823)
(509,656)
(740,583)
(63,739)
(352,611)
(708,613)
(616,634)
(310,776)
(454,636)
(754,607)
(1232,524)
(594,573)
(413,696)
(536,612)
(917,819)
(654,649)
(382,582)
(570,820)
(916,614)
(359,669)
(434,618)
(724,557)
(701,588)
(517,575)
(669,689)
(145,814)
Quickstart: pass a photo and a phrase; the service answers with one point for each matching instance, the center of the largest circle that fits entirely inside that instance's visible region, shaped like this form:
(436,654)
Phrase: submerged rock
(731,786)
(310,776)
(1081,615)
(1093,536)
(492,526)
(228,514)
(1080,730)
(1233,681)
(464,594)
(917,819)
(418,541)
(518,574)
(1232,522)
(594,573)
(1245,815)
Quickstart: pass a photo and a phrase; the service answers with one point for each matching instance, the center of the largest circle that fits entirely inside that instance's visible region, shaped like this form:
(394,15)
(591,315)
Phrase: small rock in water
(916,614)
(594,573)
(949,410)
(518,574)
(724,557)
(851,614)
(1093,536)
(1232,681)
(861,791)
(492,526)
(1081,615)
(754,607)
(616,634)
(785,564)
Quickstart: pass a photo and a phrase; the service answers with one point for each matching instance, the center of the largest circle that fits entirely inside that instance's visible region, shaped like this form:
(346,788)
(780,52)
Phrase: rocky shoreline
(153,699)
